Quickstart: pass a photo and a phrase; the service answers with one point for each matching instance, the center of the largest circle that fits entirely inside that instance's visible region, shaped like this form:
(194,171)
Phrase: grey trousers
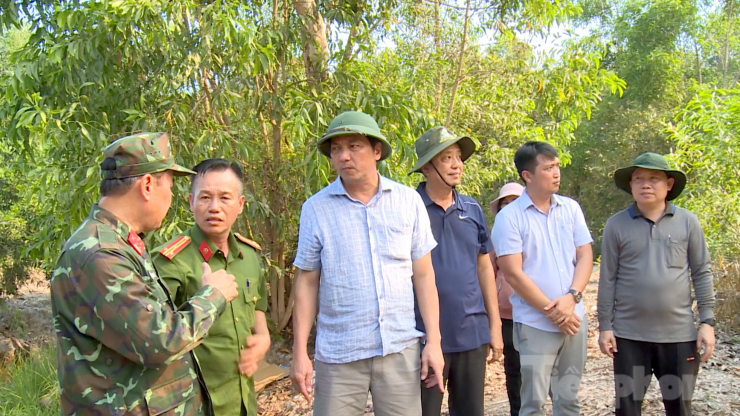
(551,364)
(393,380)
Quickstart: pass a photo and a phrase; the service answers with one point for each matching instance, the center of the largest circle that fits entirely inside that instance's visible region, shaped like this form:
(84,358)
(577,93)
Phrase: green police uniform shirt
(179,263)
(122,348)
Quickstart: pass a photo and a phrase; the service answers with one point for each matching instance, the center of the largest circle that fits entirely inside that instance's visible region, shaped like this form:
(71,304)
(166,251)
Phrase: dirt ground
(28,317)
(717,389)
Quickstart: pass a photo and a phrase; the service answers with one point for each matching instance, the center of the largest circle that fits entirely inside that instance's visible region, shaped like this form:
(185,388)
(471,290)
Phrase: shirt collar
(525,201)
(199,238)
(422,189)
(337,187)
(106,217)
(634,212)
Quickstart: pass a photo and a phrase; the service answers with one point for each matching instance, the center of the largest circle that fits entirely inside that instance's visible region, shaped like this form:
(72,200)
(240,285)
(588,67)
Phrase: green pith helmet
(437,139)
(353,122)
(652,161)
(140,154)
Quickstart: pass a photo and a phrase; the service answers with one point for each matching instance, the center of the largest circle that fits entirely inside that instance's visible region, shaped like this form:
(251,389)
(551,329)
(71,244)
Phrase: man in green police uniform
(239,338)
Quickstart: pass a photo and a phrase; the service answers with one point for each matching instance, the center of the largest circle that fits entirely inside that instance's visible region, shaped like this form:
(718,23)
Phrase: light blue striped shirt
(364,252)
(548,243)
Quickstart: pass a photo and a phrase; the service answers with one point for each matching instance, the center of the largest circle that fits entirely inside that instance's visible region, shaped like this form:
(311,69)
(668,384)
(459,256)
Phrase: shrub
(727,287)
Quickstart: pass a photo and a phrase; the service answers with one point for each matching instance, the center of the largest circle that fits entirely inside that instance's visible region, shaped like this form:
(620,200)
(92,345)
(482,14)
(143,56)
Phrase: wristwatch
(576,294)
(709,321)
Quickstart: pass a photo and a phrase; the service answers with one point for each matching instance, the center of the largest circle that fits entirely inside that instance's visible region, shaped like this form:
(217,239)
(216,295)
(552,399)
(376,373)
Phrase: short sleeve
(506,235)
(422,241)
(308,254)
(486,245)
(581,234)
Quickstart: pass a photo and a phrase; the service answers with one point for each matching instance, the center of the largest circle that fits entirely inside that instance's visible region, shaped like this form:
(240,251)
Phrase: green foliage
(644,47)
(14,266)
(11,41)
(28,386)
(228,79)
(706,132)
(14,231)
(95,71)
(716,46)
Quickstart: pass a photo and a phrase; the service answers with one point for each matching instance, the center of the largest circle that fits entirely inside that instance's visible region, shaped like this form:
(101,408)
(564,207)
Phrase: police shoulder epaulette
(247,241)
(175,247)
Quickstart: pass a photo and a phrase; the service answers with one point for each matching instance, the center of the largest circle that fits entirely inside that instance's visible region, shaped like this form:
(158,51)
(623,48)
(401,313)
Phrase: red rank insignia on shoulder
(136,243)
(205,251)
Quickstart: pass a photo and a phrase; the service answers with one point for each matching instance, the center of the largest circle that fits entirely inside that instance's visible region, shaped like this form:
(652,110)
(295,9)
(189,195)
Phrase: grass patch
(28,387)
(727,288)
(13,321)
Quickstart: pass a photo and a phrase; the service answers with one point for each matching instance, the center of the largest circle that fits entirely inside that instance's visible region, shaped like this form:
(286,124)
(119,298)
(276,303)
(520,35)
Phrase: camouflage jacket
(122,348)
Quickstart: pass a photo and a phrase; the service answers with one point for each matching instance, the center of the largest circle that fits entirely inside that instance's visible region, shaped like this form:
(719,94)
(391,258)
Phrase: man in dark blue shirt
(469,318)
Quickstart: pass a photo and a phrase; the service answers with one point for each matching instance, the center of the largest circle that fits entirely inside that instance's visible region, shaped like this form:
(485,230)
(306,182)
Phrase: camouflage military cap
(139,154)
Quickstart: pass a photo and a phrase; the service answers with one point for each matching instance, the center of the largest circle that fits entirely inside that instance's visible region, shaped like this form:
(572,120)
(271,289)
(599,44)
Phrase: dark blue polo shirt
(462,235)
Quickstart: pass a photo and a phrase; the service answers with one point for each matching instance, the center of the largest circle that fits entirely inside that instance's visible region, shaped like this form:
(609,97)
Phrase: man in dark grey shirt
(651,255)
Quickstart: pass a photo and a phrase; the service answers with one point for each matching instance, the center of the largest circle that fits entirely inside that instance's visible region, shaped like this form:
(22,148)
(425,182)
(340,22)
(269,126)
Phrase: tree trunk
(726,59)
(313,38)
(438,50)
(277,287)
(698,60)
(459,63)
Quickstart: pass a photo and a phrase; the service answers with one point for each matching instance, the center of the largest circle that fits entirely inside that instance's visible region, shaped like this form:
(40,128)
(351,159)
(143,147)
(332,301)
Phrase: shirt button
(236,319)
(109,361)
(149,308)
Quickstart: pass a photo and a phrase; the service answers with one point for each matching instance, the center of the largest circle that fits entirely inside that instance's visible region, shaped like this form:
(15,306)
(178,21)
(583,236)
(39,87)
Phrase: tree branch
(460,8)
(726,59)
(438,48)
(459,63)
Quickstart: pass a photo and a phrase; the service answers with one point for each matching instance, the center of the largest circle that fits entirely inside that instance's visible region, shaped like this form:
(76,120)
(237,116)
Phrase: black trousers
(512,367)
(675,365)
(465,378)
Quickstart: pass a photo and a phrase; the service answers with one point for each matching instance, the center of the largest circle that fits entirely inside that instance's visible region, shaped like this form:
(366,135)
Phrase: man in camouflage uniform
(240,334)
(122,348)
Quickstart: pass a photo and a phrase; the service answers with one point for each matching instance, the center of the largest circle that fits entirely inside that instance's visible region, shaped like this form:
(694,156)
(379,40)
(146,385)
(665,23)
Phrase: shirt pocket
(566,239)
(165,397)
(398,240)
(676,255)
(251,299)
